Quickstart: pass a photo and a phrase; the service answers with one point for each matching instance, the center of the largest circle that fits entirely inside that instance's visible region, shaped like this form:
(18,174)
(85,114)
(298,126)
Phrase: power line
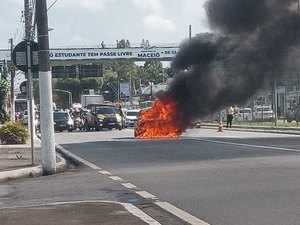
(51,5)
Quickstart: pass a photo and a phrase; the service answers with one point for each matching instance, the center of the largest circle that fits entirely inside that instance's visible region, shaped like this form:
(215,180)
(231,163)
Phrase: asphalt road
(219,177)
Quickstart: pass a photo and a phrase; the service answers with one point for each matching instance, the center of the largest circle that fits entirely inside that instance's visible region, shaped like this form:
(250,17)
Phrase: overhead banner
(118,53)
(138,54)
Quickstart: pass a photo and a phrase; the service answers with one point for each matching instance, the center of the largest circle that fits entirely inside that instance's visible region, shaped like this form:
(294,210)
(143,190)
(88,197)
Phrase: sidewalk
(16,162)
(18,156)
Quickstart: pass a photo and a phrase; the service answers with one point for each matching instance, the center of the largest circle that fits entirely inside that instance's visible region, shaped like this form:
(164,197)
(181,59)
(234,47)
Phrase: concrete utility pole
(48,156)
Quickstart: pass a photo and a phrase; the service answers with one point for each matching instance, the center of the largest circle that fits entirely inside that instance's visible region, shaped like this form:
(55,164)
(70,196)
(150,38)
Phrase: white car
(131,117)
(263,113)
(243,114)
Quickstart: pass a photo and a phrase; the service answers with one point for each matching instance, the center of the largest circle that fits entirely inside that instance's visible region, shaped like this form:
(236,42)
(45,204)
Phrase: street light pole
(151,90)
(130,90)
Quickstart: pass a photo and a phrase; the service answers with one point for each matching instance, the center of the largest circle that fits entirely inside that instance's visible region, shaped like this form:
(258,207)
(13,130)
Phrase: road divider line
(248,145)
(181,214)
(146,194)
(104,172)
(129,185)
(116,178)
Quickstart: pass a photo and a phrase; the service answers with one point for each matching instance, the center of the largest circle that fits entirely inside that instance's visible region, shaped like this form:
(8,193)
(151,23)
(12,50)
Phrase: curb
(31,172)
(263,129)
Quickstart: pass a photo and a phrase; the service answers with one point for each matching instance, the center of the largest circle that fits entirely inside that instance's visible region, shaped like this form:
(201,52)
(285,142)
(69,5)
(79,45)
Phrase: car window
(105,110)
(266,108)
(59,116)
(132,113)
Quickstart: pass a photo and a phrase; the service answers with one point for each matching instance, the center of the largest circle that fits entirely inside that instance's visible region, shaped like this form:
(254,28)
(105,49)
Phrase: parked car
(263,113)
(131,117)
(63,121)
(102,117)
(243,114)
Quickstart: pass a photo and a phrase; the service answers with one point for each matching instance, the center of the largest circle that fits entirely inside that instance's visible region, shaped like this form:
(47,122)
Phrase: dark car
(63,121)
(103,117)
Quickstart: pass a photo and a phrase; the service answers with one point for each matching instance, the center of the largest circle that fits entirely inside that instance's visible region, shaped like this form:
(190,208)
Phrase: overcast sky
(78,23)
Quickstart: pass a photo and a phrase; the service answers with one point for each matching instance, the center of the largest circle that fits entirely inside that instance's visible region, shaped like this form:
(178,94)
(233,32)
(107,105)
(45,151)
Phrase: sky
(86,23)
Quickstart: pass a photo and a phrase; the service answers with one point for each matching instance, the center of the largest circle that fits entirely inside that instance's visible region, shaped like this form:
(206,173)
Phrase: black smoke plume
(246,51)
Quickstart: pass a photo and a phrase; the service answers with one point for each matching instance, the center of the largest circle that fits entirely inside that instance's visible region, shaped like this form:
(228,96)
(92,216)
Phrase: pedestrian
(103,45)
(229,112)
(121,113)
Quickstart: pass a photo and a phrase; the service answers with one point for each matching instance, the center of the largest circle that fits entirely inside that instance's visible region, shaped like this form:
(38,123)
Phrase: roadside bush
(13,133)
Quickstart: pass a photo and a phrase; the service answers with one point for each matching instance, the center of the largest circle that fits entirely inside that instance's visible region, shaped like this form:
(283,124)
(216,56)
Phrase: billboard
(124,90)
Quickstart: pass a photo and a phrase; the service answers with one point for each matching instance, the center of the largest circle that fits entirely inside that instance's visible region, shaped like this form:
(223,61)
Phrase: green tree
(154,71)
(119,71)
(4,89)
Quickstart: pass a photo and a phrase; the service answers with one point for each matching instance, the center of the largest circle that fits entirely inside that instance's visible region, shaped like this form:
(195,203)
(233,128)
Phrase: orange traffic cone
(220,127)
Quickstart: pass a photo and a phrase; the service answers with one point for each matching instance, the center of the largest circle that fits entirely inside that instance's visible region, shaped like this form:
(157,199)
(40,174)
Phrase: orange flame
(162,120)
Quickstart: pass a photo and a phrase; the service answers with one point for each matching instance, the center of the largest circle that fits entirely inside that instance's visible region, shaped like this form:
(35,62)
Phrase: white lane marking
(129,185)
(104,172)
(146,194)
(91,165)
(248,145)
(181,214)
(128,206)
(140,214)
(116,178)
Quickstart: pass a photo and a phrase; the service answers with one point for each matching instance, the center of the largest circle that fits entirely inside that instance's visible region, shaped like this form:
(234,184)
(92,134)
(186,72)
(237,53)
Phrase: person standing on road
(121,113)
(229,112)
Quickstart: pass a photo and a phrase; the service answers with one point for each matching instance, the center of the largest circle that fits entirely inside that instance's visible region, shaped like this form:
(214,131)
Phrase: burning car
(162,120)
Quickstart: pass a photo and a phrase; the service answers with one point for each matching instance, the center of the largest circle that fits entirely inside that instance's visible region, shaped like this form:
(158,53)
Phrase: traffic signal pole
(48,156)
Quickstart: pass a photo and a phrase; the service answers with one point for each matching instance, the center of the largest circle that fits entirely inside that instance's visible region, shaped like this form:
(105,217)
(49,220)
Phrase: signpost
(25,58)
